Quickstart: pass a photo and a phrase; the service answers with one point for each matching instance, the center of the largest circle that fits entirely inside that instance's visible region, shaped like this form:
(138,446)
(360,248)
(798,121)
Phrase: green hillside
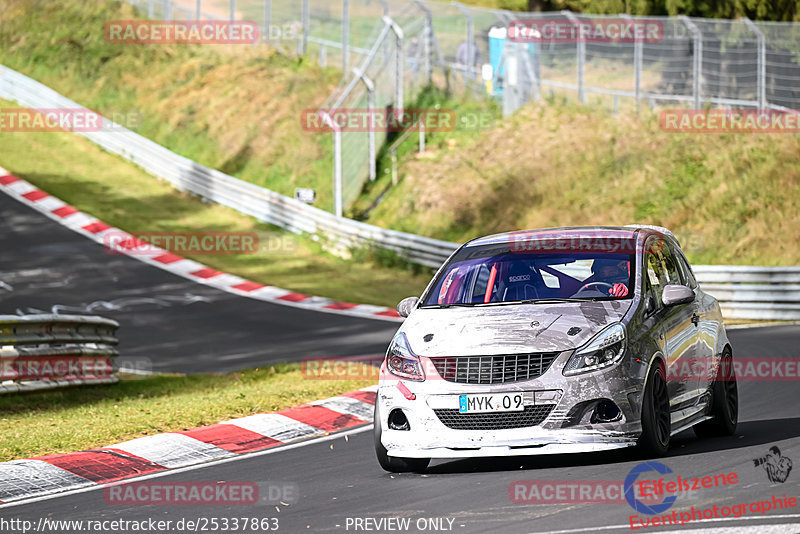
(235,108)
(731,198)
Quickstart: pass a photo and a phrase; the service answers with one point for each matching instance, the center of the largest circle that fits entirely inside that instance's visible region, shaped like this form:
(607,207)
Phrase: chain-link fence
(389,49)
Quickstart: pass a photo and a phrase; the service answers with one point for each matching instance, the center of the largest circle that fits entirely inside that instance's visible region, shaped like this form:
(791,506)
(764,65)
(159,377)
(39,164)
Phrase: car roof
(619,232)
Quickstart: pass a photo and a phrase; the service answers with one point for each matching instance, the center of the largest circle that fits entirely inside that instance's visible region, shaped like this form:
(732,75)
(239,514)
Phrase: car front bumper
(566,405)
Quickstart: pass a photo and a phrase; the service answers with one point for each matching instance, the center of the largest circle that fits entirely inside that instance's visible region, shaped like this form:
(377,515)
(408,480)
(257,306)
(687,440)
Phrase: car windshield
(483,275)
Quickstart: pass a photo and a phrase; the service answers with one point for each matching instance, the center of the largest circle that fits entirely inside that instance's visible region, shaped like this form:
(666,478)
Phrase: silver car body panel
(672,338)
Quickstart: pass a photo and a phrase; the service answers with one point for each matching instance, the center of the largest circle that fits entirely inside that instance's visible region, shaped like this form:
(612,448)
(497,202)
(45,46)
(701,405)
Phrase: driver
(614,273)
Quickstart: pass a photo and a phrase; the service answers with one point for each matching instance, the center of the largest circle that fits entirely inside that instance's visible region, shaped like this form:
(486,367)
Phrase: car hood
(510,329)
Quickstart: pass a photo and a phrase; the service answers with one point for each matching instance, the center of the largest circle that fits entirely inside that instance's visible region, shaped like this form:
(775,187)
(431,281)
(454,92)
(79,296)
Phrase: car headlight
(603,350)
(401,361)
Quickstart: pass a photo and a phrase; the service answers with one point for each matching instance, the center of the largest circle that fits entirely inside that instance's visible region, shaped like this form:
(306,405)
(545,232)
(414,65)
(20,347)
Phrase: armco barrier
(746,292)
(48,351)
(187,175)
(780,299)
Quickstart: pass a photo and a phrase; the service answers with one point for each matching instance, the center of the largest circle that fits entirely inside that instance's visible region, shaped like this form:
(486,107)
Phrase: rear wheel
(724,402)
(394,464)
(656,422)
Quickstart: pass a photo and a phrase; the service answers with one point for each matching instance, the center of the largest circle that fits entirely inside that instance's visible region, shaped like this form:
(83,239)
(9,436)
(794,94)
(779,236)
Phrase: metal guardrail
(263,204)
(49,351)
(728,283)
(746,292)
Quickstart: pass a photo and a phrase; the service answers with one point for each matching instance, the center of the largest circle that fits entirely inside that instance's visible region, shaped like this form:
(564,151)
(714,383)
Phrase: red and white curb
(95,230)
(57,473)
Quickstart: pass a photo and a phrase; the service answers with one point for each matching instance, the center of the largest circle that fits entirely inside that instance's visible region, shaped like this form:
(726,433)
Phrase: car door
(706,330)
(672,324)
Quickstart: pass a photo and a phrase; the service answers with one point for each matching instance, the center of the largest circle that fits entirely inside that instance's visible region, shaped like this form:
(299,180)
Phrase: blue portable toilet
(497,42)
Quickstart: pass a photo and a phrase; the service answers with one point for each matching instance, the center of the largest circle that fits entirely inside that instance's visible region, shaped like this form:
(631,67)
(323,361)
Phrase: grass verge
(730,198)
(119,193)
(235,108)
(79,418)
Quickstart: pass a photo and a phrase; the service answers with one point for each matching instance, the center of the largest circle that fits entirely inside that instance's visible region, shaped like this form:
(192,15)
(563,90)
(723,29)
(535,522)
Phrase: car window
(655,278)
(662,268)
(473,278)
(671,268)
(686,271)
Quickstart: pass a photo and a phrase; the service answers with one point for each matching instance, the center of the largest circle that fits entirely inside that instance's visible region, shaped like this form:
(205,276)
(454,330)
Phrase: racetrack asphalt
(340,478)
(167,323)
(337,479)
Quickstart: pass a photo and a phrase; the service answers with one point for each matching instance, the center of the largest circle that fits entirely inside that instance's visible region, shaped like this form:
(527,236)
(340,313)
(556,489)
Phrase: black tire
(394,464)
(656,423)
(724,402)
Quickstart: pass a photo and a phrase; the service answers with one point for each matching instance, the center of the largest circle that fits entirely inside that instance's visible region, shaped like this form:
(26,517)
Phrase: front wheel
(394,464)
(656,420)
(724,402)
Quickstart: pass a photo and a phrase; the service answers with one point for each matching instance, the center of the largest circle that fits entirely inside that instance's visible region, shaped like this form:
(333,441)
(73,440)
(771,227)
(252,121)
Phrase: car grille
(530,416)
(493,369)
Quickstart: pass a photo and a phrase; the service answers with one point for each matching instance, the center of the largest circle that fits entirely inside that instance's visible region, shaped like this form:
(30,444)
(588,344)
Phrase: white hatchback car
(555,341)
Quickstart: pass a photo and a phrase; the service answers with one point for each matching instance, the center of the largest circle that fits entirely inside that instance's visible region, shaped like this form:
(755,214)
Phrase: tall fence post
(233,11)
(345,35)
(637,66)
(168,10)
(581,54)
(427,41)
(302,44)
(697,59)
(370,86)
(337,177)
(337,161)
(469,65)
(385,5)
(268,20)
(761,68)
(399,64)
(198,9)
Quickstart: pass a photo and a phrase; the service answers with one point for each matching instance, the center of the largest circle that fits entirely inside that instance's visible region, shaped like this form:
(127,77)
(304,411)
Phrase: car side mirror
(674,294)
(407,305)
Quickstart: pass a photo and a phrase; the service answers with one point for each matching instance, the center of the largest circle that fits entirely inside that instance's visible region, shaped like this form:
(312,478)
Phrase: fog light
(398,420)
(606,412)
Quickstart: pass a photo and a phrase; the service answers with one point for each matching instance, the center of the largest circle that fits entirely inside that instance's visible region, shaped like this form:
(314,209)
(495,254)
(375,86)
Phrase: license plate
(498,402)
